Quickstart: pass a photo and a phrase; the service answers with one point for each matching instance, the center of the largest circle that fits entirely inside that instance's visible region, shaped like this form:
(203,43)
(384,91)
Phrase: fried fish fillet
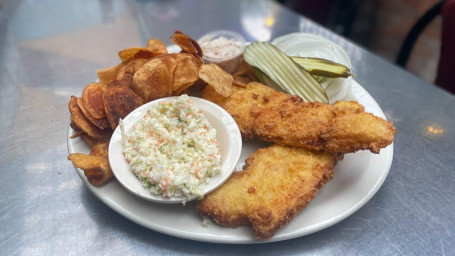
(276,183)
(265,114)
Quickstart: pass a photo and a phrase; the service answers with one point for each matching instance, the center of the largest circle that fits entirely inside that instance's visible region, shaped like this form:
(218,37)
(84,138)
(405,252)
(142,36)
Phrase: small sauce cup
(231,62)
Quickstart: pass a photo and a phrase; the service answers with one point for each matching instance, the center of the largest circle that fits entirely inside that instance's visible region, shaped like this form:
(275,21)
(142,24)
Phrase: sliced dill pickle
(284,72)
(323,67)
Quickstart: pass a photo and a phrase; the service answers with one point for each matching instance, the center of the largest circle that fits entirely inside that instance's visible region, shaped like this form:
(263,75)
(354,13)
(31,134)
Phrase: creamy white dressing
(173,149)
(221,48)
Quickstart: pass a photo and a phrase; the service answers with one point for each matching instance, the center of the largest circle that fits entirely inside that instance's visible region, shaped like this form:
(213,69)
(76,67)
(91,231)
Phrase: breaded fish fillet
(265,114)
(276,183)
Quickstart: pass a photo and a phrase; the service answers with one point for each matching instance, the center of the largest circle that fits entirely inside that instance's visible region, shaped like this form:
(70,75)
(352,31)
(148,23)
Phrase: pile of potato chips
(144,74)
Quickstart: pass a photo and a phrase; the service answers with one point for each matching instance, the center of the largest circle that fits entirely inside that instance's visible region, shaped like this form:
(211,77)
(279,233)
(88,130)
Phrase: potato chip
(100,149)
(125,81)
(102,123)
(95,165)
(152,81)
(73,124)
(188,45)
(183,69)
(171,62)
(210,93)
(241,81)
(108,74)
(125,74)
(119,102)
(186,73)
(77,134)
(137,53)
(245,70)
(216,77)
(89,140)
(92,96)
(82,123)
(157,45)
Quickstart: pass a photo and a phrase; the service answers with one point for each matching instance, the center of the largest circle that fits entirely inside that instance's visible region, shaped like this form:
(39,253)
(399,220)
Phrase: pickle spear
(323,67)
(286,73)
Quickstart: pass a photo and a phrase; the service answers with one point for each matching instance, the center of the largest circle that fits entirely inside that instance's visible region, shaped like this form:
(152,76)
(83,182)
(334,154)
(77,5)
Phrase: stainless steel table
(49,50)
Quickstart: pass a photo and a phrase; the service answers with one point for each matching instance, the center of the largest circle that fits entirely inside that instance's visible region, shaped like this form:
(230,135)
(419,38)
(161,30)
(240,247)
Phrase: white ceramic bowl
(231,64)
(227,134)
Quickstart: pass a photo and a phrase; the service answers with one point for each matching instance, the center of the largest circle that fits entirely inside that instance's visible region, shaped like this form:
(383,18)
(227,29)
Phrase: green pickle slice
(272,64)
(323,67)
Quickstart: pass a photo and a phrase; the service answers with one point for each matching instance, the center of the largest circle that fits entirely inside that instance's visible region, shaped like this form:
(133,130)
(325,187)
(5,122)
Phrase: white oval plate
(357,178)
(227,135)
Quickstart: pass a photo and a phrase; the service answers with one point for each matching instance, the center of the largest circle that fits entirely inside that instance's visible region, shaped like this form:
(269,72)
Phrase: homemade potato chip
(82,123)
(89,140)
(73,124)
(152,80)
(216,77)
(92,96)
(95,165)
(187,44)
(157,45)
(119,102)
(241,81)
(108,74)
(145,74)
(245,70)
(125,74)
(100,149)
(100,123)
(186,73)
(137,53)
(125,81)
(171,62)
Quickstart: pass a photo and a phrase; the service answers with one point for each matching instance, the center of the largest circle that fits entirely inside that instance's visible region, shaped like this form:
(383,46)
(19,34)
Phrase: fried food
(138,53)
(152,80)
(144,74)
(243,98)
(95,165)
(119,102)
(217,78)
(275,185)
(187,44)
(102,123)
(108,74)
(90,141)
(80,122)
(183,70)
(131,67)
(92,97)
(241,81)
(157,45)
(265,114)
(186,72)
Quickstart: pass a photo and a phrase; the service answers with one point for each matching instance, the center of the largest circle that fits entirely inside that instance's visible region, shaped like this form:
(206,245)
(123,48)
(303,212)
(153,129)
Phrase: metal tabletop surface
(49,50)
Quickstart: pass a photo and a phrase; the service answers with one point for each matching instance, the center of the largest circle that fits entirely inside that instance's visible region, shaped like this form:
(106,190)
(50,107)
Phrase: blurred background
(380,26)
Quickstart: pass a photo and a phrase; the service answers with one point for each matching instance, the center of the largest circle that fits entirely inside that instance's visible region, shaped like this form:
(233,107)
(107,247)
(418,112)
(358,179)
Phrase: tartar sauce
(173,149)
(221,48)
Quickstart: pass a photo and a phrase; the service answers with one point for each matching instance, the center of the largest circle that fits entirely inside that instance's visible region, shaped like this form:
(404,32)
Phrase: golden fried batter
(265,114)
(276,183)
